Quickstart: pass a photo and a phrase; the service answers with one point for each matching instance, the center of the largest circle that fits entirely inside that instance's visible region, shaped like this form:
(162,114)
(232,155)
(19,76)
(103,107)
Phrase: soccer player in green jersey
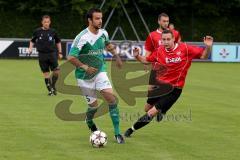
(87,55)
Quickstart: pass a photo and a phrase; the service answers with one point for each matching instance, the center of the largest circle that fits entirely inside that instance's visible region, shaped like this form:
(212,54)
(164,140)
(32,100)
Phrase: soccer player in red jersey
(153,41)
(171,63)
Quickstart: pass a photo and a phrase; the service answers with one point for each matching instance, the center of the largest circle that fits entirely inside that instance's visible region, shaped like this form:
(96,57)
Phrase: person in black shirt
(45,40)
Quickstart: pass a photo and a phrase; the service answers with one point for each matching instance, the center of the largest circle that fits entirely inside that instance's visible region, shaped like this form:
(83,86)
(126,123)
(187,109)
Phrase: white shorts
(90,87)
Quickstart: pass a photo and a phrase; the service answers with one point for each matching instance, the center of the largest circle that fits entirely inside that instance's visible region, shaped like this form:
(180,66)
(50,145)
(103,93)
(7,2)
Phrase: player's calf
(91,110)
(159,115)
(142,121)
(114,112)
(48,83)
(54,80)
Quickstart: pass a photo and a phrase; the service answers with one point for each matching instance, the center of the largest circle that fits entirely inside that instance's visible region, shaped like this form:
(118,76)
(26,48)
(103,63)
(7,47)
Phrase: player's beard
(162,28)
(97,26)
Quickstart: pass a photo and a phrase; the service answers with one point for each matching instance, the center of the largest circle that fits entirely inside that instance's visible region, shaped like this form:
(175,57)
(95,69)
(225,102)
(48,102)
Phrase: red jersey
(175,62)
(153,40)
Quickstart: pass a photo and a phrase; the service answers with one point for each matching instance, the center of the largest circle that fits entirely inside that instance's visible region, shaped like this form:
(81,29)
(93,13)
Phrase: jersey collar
(171,50)
(93,33)
(159,31)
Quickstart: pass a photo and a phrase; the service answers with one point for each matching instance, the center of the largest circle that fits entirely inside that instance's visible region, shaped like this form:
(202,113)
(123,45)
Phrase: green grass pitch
(208,128)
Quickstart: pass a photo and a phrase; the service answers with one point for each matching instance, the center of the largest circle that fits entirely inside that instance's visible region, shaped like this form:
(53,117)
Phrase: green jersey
(89,48)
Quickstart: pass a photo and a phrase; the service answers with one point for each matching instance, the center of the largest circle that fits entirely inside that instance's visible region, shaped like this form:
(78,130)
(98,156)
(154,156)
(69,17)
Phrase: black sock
(54,80)
(159,116)
(48,83)
(89,118)
(142,121)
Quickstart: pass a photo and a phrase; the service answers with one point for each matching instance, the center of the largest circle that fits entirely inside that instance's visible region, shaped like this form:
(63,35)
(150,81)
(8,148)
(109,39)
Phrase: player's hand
(91,70)
(135,52)
(60,56)
(208,41)
(29,51)
(119,62)
(145,66)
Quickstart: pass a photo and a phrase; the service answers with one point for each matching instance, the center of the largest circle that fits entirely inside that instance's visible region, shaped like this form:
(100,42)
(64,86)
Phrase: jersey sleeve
(34,36)
(149,46)
(177,36)
(195,52)
(107,41)
(76,47)
(152,57)
(56,37)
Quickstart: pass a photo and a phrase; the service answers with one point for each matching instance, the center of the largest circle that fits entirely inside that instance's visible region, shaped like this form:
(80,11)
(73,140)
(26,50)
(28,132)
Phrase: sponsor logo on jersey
(178,53)
(99,51)
(173,60)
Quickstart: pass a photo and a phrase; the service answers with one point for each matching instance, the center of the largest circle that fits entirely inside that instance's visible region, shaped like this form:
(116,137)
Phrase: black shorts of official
(48,61)
(165,102)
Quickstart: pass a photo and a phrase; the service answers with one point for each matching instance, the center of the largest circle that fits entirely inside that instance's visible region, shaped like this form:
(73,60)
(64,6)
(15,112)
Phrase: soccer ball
(98,139)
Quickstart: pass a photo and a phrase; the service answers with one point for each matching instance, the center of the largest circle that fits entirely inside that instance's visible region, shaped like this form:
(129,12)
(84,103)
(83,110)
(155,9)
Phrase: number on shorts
(87,98)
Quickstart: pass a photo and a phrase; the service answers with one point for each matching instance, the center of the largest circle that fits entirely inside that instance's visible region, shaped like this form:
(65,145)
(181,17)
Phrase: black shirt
(45,40)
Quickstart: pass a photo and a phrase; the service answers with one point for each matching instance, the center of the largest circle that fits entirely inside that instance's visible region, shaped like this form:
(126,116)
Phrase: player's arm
(58,44)
(208,41)
(32,42)
(149,47)
(76,62)
(74,54)
(111,48)
(59,48)
(148,53)
(138,57)
(179,38)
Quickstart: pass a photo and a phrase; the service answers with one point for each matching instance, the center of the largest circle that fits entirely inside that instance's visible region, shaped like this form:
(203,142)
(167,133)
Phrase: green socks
(114,114)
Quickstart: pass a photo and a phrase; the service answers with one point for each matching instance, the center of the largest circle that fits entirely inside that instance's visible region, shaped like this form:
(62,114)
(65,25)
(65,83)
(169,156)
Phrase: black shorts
(48,61)
(152,78)
(165,102)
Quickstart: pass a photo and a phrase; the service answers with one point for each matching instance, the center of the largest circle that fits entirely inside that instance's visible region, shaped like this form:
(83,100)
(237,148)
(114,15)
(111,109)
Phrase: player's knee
(150,87)
(46,75)
(56,72)
(93,104)
(109,97)
(153,112)
(147,107)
